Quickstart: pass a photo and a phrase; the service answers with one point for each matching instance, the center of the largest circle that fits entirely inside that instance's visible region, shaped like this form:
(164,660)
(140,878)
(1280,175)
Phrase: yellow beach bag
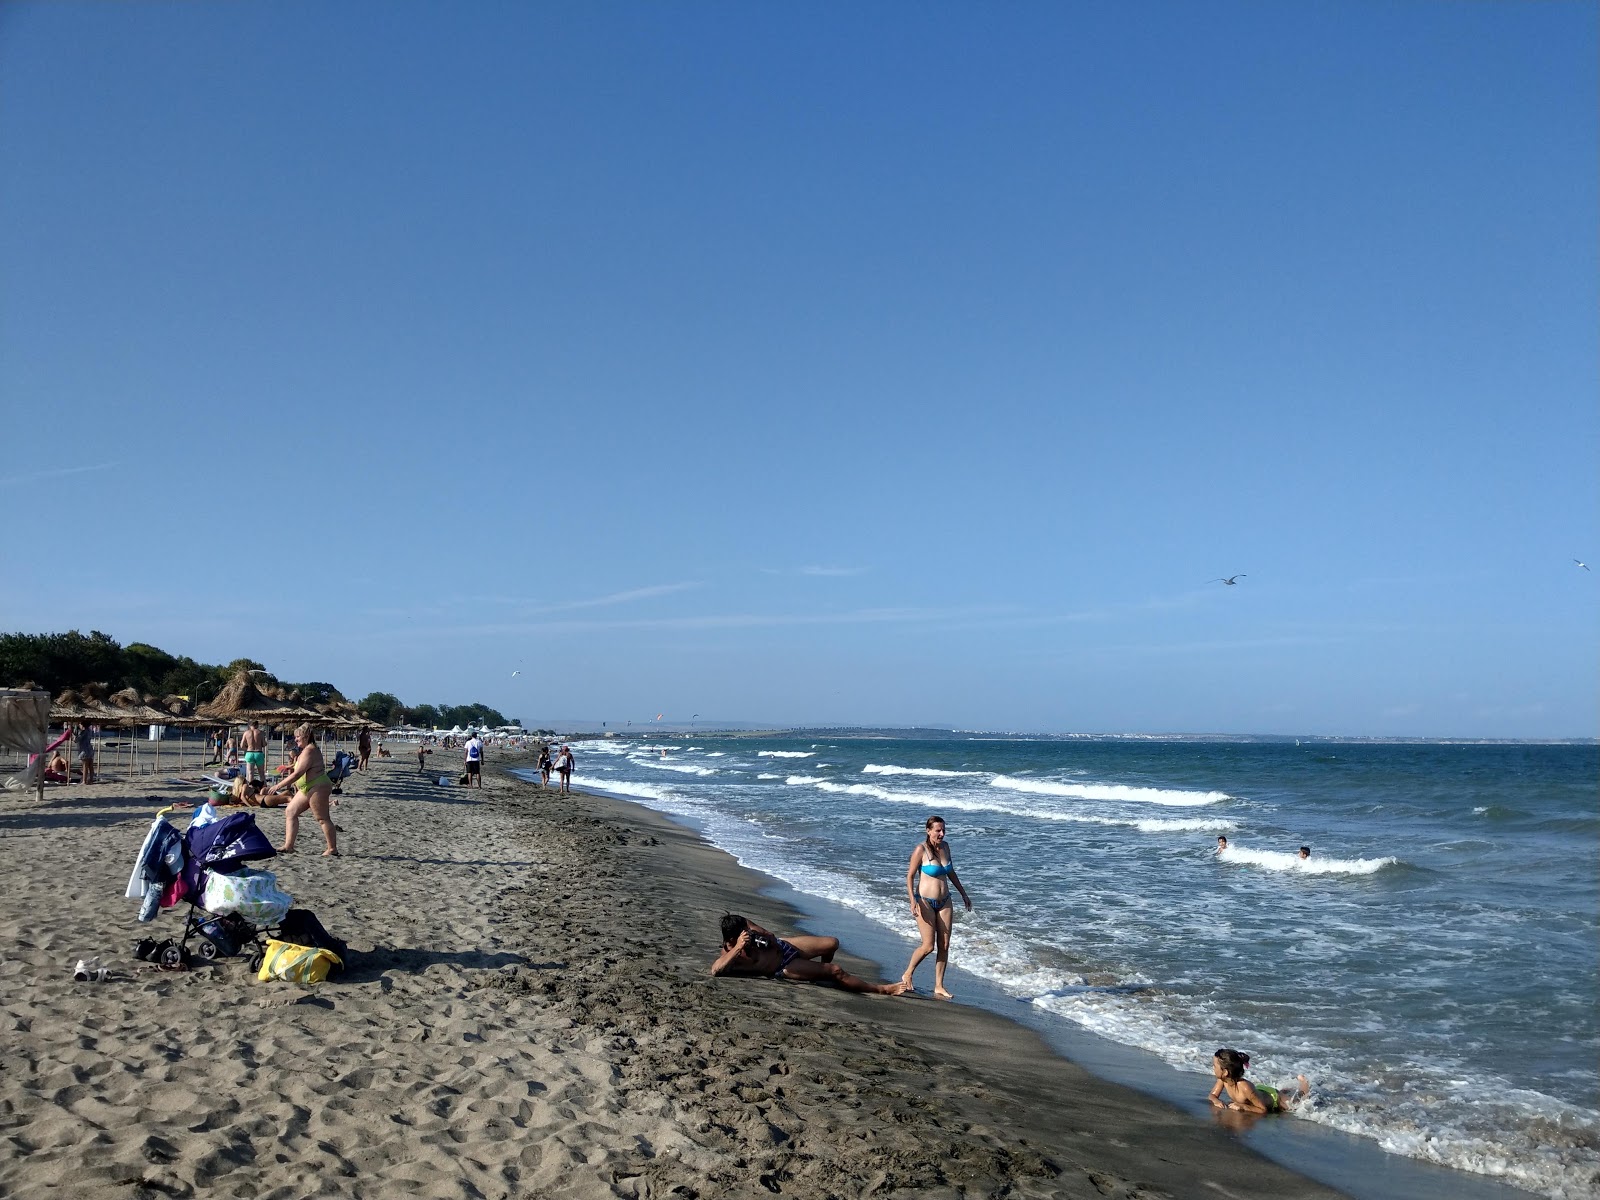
(296,964)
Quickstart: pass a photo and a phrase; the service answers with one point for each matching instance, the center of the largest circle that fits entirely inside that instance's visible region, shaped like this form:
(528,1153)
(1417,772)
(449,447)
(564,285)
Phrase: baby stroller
(344,763)
(215,871)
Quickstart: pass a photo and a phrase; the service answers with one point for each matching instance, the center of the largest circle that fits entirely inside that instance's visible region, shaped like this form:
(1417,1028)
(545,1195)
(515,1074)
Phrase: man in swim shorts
(748,949)
(474,760)
(254,745)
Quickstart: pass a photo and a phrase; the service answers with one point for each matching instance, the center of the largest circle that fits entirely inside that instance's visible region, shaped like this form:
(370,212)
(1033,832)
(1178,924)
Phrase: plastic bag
(254,895)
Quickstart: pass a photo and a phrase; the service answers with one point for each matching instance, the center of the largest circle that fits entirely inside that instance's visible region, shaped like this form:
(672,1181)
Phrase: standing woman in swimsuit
(928,881)
(310,777)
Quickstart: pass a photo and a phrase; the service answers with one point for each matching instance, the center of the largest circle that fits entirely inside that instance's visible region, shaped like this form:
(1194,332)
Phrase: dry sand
(527,1013)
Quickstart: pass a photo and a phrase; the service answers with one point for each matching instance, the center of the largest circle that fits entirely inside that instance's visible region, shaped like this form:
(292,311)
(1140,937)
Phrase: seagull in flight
(1581,563)
(1230,580)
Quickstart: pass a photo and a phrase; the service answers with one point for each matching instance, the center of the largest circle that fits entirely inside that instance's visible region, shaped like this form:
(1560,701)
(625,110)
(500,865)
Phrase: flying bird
(1230,580)
(1581,563)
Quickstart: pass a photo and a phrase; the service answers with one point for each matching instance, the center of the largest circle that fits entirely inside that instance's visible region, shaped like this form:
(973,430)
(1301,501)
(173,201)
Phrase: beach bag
(253,895)
(300,926)
(296,964)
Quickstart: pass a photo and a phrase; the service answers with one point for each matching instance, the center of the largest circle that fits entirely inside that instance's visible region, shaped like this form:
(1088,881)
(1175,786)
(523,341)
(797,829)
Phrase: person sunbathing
(748,949)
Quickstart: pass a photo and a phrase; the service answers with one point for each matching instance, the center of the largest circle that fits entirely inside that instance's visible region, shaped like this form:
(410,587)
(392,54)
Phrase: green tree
(145,666)
(56,661)
(384,707)
(318,693)
(425,715)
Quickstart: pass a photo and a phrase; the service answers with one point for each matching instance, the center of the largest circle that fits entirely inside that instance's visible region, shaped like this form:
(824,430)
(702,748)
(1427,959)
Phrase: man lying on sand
(748,949)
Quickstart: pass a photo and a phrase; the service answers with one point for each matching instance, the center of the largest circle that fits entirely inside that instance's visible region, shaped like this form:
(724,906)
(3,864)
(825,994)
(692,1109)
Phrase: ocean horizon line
(765,729)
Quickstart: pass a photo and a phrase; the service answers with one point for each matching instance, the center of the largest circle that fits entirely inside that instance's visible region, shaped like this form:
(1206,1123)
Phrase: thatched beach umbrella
(240,700)
(143,712)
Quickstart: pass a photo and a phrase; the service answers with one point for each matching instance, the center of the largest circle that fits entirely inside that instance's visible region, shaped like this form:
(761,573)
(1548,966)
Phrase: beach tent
(25,726)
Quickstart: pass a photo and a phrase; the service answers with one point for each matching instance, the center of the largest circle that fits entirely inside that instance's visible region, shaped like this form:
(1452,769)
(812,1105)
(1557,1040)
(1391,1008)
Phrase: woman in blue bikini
(928,881)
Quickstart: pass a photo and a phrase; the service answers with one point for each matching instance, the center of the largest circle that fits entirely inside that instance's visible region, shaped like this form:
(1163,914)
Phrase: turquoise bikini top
(935,869)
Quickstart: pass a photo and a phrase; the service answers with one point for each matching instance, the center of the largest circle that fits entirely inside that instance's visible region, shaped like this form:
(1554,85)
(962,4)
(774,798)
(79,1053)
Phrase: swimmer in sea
(1305,853)
(1222,842)
(1243,1096)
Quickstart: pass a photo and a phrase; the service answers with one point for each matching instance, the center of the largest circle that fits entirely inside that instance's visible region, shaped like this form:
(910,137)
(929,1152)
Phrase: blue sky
(818,363)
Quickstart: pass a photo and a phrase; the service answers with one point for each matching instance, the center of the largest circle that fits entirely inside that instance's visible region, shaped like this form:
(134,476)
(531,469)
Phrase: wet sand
(527,1012)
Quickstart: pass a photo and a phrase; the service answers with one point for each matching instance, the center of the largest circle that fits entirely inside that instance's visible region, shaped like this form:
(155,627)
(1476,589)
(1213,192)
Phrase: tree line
(57,662)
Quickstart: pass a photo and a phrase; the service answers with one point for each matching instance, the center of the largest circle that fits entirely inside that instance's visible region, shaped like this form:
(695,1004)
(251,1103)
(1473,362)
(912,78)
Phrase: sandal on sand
(88,969)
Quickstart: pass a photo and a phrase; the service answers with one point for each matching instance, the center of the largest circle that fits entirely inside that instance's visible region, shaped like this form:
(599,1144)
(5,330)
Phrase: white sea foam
(785,753)
(1121,793)
(798,780)
(1280,860)
(932,772)
(681,768)
(624,787)
(764,775)
(878,793)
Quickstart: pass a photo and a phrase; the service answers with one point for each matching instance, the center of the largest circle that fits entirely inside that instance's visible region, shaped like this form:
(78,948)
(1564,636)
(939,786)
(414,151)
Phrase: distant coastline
(928,733)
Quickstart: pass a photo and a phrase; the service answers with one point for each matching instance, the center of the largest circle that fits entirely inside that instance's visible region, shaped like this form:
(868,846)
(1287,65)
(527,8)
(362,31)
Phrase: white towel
(136,887)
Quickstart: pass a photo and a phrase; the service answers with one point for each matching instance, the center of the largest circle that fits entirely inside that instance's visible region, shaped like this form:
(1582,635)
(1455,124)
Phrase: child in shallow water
(1229,1067)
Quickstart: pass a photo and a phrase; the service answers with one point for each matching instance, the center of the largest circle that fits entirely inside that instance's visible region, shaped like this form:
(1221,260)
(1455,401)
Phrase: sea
(1433,967)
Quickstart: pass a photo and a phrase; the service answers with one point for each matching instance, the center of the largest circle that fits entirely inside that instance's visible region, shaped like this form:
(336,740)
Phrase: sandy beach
(527,1012)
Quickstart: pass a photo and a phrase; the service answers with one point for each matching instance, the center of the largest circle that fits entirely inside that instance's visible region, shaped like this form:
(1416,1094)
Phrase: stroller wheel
(256,960)
(172,955)
(206,950)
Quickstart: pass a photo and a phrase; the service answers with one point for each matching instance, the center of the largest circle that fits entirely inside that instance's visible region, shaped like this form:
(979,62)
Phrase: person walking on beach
(422,757)
(544,765)
(254,745)
(475,760)
(363,749)
(85,748)
(564,764)
(748,949)
(928,881)
(310,777)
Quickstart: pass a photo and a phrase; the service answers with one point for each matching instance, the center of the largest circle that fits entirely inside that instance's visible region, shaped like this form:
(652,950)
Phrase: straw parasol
(241,700)
(68,707)
(139,708)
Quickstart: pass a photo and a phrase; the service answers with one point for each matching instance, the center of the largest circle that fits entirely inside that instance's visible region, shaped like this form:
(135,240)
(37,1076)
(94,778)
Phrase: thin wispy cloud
(527,608)
(54,473)
(867,616)
(643,593)
(818,572)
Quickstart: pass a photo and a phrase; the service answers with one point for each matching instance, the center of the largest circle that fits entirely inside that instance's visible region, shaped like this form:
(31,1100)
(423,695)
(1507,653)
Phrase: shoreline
(1355,1166)
(528,1010)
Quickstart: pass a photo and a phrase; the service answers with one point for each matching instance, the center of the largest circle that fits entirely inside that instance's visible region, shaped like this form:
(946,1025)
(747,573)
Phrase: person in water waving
(929,878)
(1229,1067)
